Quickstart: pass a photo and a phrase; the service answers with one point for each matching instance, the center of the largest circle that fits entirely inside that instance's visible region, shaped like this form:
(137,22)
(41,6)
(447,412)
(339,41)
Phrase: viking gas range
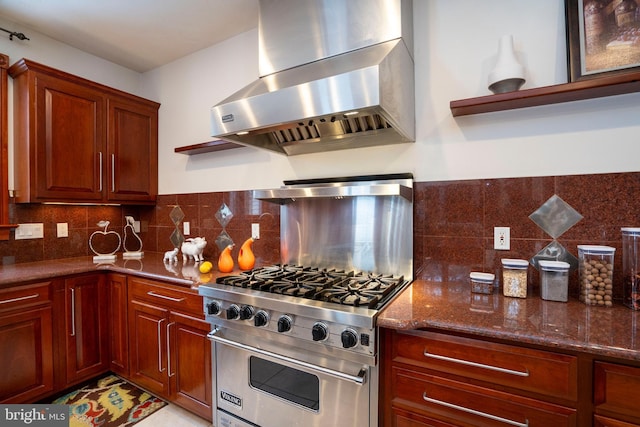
(295,344)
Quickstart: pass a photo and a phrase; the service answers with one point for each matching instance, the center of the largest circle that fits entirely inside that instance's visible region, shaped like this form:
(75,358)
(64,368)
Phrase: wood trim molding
(5,227)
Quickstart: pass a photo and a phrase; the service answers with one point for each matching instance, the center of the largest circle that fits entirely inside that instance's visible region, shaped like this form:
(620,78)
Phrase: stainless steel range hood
(335,74)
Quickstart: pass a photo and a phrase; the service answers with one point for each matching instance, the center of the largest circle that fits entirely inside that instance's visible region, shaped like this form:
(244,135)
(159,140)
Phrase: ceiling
(137,34)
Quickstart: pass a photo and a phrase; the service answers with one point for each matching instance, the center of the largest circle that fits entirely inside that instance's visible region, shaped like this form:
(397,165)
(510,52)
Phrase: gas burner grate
(329,285)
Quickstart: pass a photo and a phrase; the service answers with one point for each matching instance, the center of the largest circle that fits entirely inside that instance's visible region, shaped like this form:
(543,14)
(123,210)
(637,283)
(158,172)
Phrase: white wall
(455,47)
(47,51)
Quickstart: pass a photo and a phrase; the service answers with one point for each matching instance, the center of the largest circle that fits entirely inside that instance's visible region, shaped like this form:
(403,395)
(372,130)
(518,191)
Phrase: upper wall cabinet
(79,141)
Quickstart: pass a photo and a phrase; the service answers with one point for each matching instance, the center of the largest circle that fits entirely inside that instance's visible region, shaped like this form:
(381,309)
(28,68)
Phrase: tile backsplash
(454,221)
(453,224)
(156,226)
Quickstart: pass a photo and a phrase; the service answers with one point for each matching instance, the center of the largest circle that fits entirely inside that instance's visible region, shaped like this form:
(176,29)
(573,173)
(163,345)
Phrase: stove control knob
(246,312)
(284,323)
(261,318)
(213,308)
(349,338)
(233,312)
(319,332)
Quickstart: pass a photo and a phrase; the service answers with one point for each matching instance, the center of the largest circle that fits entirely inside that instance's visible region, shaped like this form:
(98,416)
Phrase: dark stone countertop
(573,326)
(605,331)
(151,266)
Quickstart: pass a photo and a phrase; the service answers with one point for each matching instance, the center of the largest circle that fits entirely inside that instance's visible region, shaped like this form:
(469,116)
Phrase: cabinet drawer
(166,296)
(470,405)
(408,419)
(616,388)
(24,296)
(546,373)
(599,421)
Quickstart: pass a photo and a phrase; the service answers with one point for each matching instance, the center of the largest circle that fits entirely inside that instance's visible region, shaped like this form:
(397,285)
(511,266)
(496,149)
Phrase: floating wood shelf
(617,84)
(207,147)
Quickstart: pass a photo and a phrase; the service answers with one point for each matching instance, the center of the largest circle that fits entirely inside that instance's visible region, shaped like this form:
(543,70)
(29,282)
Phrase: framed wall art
(603,37)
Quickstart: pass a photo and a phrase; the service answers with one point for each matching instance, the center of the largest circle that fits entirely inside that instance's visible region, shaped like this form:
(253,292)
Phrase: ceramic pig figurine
(192,248)
(171,256)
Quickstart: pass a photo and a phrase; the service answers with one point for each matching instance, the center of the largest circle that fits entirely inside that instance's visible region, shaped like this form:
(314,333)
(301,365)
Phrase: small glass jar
(481,283)
(595,273)
(631,267)
(514,277)
(554,280)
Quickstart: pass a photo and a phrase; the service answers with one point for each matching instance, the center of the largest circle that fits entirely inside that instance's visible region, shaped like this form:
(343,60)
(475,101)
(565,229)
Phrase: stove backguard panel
(370,229)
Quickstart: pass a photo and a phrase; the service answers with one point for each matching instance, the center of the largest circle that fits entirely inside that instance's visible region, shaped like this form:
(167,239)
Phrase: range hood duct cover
(335,74)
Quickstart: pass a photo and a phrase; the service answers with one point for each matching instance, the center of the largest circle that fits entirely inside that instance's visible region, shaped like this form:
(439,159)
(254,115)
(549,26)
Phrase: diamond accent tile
(223,240)
(555,216)
(176,215)
(554,251)
(176,238)
(224,215)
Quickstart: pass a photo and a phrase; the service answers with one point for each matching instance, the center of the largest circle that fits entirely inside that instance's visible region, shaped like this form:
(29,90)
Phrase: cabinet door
(70,131)
(148,347)
(614,386)
(87,340)
(190,363)
(133,150)
(26,355)
(118,325)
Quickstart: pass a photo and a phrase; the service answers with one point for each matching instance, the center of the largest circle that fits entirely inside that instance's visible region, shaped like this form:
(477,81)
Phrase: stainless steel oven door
(255,386)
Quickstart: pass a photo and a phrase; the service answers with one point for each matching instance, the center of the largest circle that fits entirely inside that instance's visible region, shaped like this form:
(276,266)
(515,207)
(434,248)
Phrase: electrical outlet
(30,231)
(186,228)
(255,230)
(136,226)
(62,229)
(502,238)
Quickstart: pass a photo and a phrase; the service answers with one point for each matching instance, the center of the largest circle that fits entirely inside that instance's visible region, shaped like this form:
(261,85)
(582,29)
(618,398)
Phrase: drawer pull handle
(153,294)
(7,301)
(474,412)
(477,365)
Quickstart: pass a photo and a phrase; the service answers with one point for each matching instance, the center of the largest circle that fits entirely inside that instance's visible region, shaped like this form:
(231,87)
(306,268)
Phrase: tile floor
(173,416)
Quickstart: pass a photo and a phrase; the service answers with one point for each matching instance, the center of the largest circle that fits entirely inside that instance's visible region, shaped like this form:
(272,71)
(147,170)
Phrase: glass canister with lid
(554,280)
(595,273)
(631,267)
(481,283)
(514,277)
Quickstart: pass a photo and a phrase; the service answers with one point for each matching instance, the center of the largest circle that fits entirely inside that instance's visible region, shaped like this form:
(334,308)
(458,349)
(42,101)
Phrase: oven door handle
(359,379)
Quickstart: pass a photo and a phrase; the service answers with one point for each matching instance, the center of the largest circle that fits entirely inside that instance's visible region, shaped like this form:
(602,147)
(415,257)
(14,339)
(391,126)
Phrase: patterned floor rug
(109,402)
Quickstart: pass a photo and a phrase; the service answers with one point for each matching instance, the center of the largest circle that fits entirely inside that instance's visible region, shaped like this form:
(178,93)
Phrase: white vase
(508,74)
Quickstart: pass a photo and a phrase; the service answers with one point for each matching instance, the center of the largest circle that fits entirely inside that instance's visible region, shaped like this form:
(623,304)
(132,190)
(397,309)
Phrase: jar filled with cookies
(595,273)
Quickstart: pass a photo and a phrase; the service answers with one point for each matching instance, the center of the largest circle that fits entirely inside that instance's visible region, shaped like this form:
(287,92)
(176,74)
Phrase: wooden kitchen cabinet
(615,392)
(118,324)
(79,141)
(437,379)
(169,351)
(82,338)
(26,343)
(132,147)
(148,333)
